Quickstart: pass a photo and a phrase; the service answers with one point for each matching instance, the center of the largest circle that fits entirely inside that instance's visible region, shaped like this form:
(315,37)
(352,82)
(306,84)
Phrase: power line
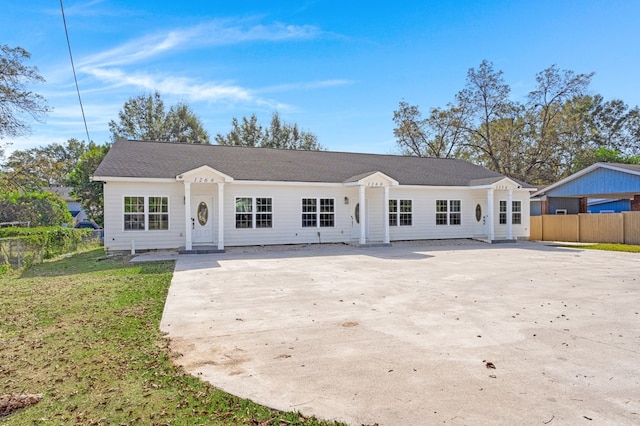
(75,78)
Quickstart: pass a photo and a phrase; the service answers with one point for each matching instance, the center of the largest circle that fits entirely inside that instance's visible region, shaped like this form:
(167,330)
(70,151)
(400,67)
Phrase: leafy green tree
(605,155)
(439,135)
(554,115)
(540,141)
(33,169)
(282,135)
(38,208)
(486,97)
(89,193)
(411,131)
(16,100)
(279,134)
(615,125)
(144,117)
(247,133)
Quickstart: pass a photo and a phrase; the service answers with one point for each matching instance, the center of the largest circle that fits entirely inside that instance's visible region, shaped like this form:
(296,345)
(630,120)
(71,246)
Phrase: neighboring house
(617,184)
(164,195)
(73,205)
(608,205)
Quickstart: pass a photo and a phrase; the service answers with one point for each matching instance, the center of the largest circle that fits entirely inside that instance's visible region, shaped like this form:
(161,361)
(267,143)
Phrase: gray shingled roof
(630,167)
(142,159)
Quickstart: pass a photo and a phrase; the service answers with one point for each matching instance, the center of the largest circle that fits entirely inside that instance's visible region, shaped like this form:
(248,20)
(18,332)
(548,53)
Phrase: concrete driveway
(403,335)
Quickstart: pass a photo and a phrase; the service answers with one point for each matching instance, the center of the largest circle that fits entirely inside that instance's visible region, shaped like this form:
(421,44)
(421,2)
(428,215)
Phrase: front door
(355,223)
(202,220)
(480,218)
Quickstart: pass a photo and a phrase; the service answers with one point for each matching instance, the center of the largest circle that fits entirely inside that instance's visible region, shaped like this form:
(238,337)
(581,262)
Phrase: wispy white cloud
(182,87)
(112,66)
(215,33)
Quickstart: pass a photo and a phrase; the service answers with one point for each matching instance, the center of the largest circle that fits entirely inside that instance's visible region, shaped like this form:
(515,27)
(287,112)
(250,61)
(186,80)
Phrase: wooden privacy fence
(623,228)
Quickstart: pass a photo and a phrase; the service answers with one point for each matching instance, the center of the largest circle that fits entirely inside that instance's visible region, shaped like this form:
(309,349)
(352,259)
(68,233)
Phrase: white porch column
(363,219)
(386,215)
(187,214)
(509,215)
(220,215)
(490,218)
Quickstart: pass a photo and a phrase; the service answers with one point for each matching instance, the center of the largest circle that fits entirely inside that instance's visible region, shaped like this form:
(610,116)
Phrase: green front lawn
(85,333)
(612,247)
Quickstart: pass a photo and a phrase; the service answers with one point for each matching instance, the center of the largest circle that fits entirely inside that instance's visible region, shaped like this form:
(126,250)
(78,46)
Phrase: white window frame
(516,212)
(145,213)
(395,216)
(448,213)
(254,213)
(502,213)
(318,213)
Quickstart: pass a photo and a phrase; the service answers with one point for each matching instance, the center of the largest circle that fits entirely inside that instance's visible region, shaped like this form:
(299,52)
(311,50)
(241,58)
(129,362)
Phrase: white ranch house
(160,195)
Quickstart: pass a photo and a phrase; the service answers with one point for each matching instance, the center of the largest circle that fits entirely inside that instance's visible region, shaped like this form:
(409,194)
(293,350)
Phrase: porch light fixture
(346,200)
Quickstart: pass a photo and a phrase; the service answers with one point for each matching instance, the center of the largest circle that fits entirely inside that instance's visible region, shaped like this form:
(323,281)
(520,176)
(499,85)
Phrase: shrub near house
(37,208)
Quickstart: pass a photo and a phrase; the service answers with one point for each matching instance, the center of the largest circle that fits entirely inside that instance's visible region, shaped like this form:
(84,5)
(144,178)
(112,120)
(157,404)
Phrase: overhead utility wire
(75,78)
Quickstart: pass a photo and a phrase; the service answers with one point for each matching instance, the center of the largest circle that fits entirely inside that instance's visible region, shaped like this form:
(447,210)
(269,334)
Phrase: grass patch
(613,247)
(85,334)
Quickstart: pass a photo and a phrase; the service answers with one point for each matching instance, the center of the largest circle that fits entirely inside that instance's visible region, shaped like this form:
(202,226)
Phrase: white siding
(424,214)
(116,238)
(287,214)
(519,231)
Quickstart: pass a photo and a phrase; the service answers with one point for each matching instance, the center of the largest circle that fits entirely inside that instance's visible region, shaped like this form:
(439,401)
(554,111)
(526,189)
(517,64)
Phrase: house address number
(375,184)
(198,179)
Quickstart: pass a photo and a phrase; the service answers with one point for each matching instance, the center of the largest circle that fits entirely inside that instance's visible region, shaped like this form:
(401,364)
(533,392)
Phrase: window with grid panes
(327,212)
(405,215)
(393,212)
(455,215)
(244,212)
(441,212)
(503,212)
(516,212)
(264,213)
(318,212)
(400,213)
(158,213)
(309,212)
(134,217)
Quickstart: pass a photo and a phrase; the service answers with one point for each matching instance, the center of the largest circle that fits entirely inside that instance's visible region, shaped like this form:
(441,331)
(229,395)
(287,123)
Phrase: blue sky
(337,68)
